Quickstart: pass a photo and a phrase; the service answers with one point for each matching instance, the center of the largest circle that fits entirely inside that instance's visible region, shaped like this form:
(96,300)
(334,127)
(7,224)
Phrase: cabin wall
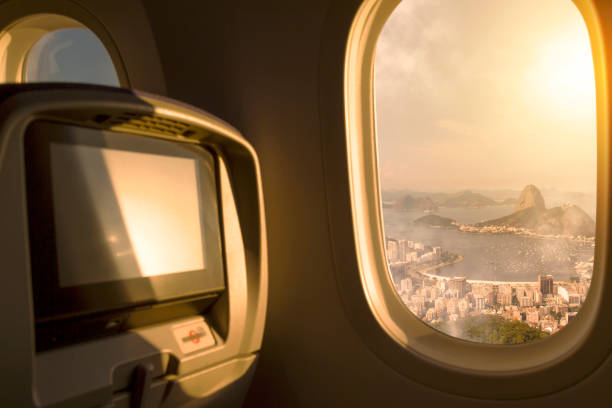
(257,65)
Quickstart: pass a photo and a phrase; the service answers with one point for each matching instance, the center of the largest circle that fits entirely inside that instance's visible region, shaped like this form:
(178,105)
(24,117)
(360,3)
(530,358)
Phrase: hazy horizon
(552,197)
(479,95)
(480,190)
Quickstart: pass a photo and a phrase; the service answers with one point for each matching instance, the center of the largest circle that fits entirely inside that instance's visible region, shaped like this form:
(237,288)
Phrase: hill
(568,220)
(530,197)
(530,213)
(433,220)
(491,329)
(409,202)
(564,220)
(467,199)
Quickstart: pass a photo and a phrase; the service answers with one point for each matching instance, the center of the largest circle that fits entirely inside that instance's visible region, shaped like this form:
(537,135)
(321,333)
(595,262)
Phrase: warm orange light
(563,74)
(157,197)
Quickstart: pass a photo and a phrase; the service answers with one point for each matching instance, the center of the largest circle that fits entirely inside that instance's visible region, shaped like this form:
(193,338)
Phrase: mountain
(564,220)
(530,197)
(531,214)
(409,202)
(568,220)
(433,220)
(467,199)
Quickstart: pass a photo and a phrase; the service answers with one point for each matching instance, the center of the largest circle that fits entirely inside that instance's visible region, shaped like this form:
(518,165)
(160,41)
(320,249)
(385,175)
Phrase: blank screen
(121,214)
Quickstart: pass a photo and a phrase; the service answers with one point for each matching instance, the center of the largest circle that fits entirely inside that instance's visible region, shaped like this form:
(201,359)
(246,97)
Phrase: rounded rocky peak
(530,197)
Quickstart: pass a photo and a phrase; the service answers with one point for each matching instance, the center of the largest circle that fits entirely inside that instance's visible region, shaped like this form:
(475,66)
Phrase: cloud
(405,45)
(455,104)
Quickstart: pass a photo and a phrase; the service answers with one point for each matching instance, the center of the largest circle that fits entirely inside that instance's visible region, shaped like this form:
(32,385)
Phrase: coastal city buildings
(545,304)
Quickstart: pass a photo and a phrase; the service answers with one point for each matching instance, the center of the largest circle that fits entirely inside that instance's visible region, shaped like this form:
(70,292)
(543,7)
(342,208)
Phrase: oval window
(487,162)
(70,55)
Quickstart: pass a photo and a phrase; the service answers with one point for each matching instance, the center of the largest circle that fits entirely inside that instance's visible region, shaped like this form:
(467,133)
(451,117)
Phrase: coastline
(425,270)
(524,232)
(425,273)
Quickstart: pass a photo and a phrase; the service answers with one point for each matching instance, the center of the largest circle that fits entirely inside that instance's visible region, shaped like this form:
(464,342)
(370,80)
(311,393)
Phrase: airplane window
(70,55)
(486,127)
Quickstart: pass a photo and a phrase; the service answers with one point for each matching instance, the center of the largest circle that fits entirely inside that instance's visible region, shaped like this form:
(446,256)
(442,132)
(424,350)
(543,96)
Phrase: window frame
(20,29)
(396,336)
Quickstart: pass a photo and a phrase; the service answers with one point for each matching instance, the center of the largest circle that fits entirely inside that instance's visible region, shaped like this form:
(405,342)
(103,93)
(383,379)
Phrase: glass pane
(486,133)
(70,55)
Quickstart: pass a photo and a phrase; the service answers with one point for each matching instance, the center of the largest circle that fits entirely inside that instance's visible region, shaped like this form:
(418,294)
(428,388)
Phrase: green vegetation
(491,329)
(446,256)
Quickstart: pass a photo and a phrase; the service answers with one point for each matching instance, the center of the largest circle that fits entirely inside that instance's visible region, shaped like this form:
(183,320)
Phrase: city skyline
(544,304)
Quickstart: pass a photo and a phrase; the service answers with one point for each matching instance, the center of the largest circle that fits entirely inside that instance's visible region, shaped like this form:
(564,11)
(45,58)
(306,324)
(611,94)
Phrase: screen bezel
(52,301)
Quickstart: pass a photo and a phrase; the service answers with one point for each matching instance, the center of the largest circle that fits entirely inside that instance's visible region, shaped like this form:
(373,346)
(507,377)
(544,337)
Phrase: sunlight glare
(159,203)
(564,76)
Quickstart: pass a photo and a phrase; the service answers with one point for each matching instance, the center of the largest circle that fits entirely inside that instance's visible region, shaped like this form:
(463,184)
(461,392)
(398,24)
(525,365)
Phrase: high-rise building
(440,306)
(392,250)
(452,306)
(402,248)
(459,284)
(479,302)
(406,285)
(504,299)
(412,257)
(546,285)
(537,297)
(533,317)
(493,295)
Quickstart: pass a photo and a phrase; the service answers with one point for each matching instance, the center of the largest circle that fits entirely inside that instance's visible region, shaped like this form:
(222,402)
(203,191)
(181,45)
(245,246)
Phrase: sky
(482,94)
(70,55)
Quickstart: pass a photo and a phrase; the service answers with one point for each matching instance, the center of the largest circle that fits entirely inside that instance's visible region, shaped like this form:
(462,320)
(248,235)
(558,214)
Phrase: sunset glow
(564,76)
(478,94)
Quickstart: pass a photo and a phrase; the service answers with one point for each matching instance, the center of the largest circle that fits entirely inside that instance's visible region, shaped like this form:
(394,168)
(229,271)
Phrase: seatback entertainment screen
(119,220)
(142,214)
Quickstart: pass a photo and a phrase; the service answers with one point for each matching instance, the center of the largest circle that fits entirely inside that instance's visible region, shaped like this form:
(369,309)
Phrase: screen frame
(54,302)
